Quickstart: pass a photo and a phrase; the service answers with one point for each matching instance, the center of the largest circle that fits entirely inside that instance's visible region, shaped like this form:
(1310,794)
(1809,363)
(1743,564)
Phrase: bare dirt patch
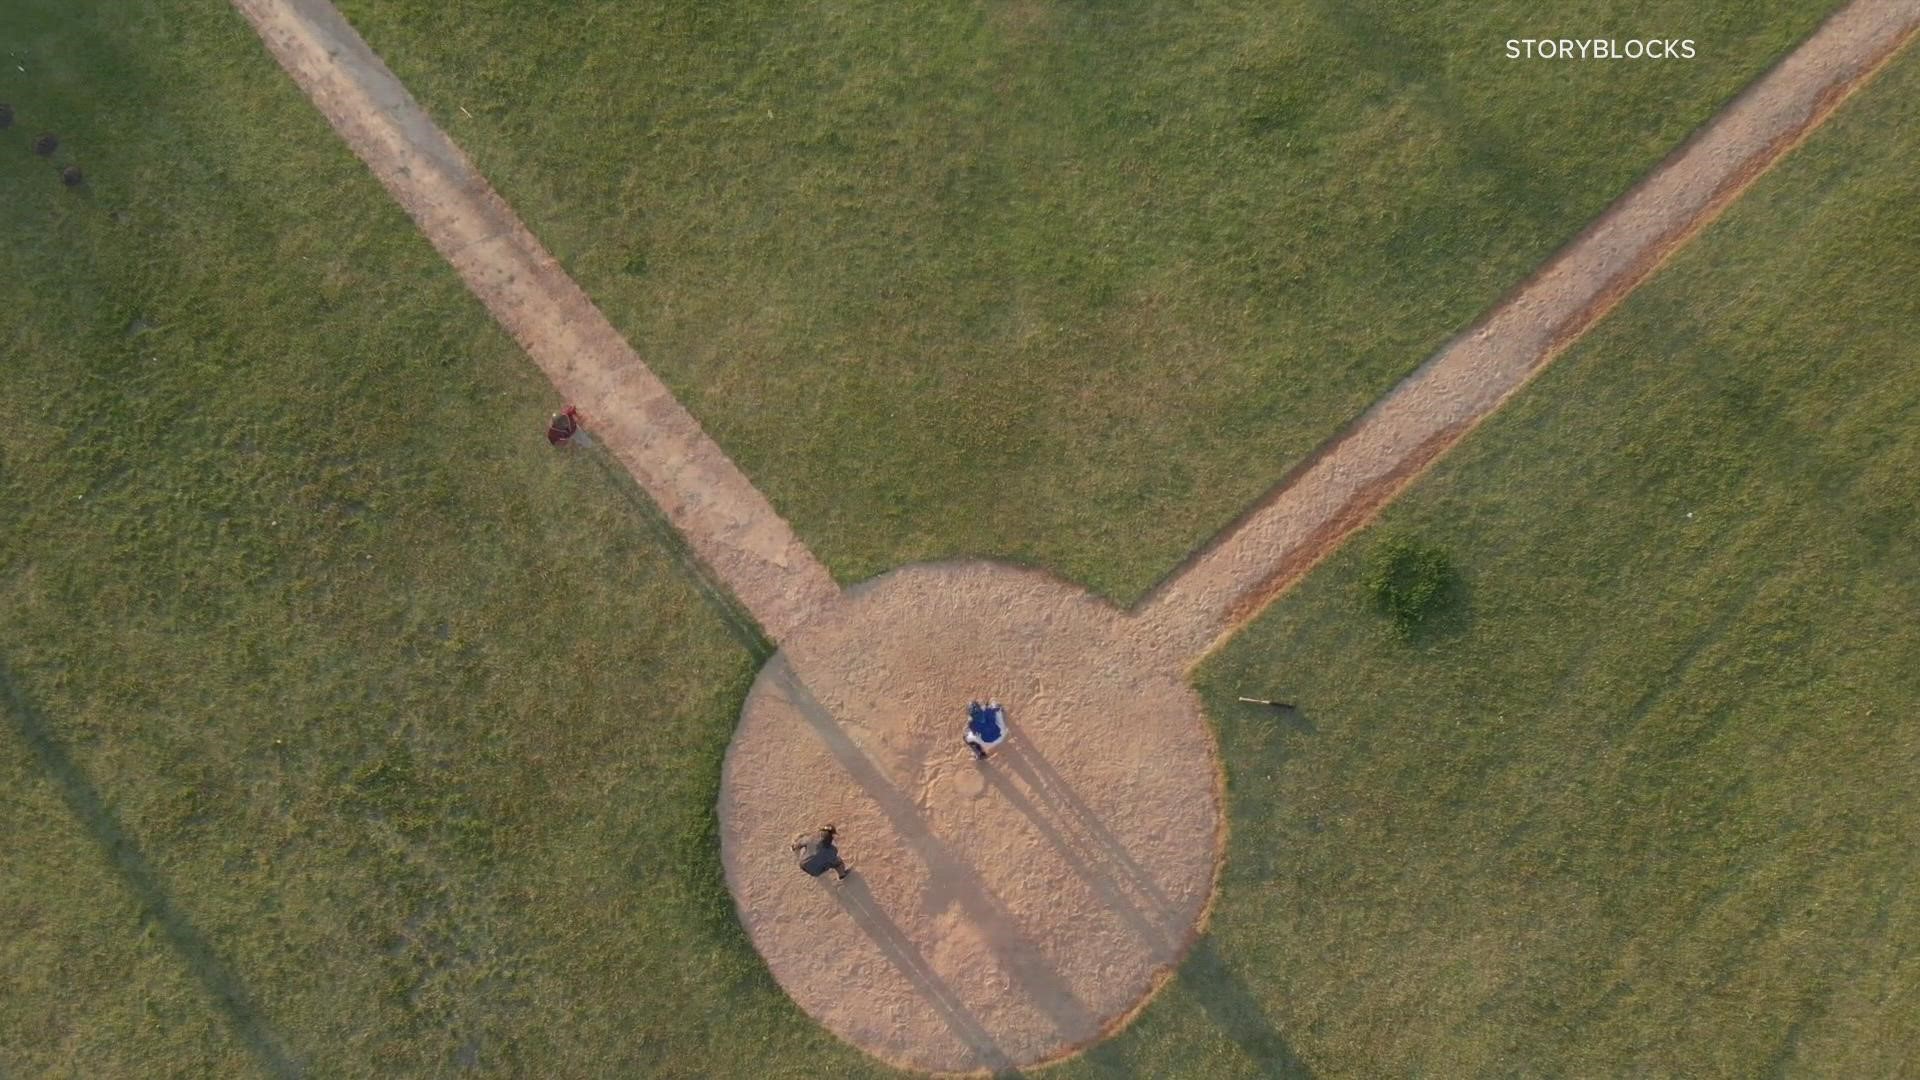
(1001,913)
(1344,484)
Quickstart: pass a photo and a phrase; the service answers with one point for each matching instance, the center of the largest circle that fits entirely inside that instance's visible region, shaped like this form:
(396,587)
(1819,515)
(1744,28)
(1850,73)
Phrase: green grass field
(348,727)
(1645,806)
(344,723)
(1066,283)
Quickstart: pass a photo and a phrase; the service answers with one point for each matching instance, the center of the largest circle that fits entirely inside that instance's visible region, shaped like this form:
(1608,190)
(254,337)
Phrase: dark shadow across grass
(224,989)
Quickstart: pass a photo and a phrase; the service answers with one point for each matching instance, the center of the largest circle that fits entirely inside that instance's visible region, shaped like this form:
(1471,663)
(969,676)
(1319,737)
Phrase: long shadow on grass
(958,880)
(718,597)
(1207,979)
(124,855)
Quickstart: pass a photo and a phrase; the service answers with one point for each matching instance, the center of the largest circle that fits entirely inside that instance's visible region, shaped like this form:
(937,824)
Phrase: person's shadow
(1208,980)
(1066,805)
(1103,861)
(952,878)
(1148,922)
(1112,872)
(859,904)
(123,854)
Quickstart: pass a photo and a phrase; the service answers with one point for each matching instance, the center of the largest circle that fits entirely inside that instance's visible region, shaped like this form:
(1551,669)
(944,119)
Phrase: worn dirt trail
(727,522)
(1346,482)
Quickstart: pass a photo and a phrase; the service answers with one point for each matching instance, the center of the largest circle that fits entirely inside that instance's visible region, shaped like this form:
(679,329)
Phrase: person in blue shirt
(986,728)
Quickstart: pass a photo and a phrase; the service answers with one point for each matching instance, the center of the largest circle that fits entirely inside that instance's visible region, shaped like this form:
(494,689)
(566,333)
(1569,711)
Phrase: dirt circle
(1001,913)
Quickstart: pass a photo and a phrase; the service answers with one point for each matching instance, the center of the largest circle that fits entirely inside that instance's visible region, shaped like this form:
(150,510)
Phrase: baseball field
(353,730)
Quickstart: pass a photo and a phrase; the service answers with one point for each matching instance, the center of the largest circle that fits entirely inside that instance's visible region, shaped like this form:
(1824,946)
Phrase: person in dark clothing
(563,426)
(818,855)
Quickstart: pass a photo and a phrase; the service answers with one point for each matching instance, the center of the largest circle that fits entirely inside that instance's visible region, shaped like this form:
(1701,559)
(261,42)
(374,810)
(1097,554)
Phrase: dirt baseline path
(727,522)
(1346,482)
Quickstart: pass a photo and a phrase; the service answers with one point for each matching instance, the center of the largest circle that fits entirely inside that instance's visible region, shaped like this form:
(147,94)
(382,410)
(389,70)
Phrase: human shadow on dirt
(1066,804)
(123,854)
(1203,975)
(955,878)
(1090,863)
(854,896)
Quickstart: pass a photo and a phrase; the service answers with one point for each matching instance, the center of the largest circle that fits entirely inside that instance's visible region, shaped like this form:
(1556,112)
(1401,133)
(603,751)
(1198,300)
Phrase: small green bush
(1410,583)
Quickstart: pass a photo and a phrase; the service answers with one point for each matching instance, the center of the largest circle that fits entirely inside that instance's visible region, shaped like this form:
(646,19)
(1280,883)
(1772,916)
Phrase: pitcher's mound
(1001,913)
